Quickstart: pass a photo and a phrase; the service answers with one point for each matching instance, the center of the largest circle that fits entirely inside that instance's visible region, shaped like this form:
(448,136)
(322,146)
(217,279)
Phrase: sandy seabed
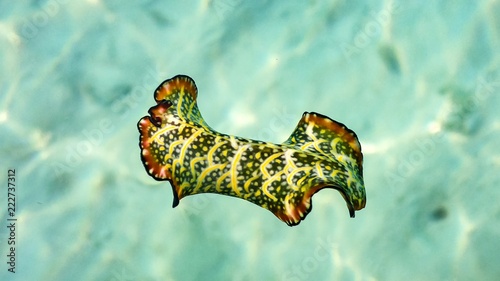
(418,82)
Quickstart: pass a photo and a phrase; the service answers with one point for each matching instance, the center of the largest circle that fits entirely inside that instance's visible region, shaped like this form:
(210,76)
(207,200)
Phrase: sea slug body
(177,145)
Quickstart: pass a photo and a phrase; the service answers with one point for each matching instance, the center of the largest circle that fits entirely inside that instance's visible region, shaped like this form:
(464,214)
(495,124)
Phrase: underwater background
(419,83)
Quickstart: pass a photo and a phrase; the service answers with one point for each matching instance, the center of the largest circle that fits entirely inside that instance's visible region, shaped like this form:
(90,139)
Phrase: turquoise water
(418,83)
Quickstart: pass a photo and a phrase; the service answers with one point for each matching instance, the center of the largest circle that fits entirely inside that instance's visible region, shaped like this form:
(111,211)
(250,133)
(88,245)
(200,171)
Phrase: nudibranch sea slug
(178,146)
